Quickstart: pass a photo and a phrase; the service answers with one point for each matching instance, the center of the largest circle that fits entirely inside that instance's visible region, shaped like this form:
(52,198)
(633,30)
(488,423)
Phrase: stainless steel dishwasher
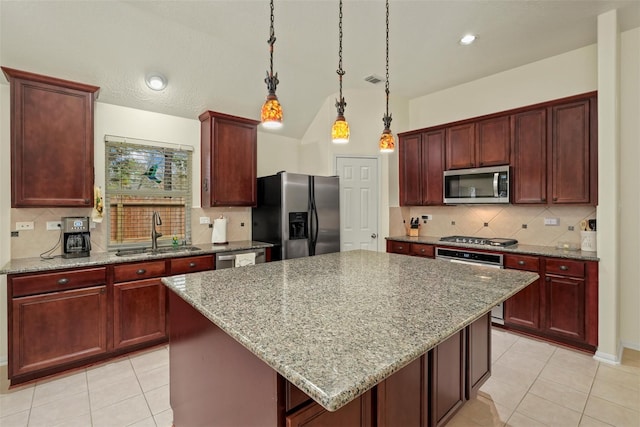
(229,259)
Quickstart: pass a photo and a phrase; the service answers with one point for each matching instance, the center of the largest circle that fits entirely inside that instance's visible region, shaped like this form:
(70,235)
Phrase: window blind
(143,177)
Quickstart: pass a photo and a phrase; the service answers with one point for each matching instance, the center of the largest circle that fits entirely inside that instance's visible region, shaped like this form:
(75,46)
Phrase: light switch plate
(205,220)
(54,225)
(552,221)
(25,225)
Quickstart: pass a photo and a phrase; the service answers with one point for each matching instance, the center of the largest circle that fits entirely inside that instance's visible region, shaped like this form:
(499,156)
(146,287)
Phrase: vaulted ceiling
(215,53)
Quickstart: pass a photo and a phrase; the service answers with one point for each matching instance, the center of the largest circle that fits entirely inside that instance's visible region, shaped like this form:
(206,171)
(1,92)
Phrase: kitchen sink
(149,251)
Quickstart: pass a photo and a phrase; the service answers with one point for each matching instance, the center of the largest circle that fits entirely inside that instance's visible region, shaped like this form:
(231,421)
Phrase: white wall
(277,153)
(364,112)
(629,242)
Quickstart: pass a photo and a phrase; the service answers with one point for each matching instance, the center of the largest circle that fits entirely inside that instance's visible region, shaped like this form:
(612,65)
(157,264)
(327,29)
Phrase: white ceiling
(215,53)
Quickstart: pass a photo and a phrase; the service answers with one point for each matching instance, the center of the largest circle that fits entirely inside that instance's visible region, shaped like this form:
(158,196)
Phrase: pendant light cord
(386,119)
(340,104)
(271,80)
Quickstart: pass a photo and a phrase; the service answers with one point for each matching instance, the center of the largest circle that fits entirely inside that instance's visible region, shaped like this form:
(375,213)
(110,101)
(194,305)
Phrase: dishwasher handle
(226,257)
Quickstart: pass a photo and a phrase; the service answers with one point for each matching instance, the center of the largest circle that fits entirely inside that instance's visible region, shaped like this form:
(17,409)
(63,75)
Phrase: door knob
(374,235)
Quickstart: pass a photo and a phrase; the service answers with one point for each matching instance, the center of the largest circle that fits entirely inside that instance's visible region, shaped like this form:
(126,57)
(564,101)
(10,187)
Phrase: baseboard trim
(631,345)
(611,359)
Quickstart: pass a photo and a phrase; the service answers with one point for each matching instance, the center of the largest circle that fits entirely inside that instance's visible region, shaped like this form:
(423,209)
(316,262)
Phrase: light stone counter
(548,251)
(336,325)
(30,265)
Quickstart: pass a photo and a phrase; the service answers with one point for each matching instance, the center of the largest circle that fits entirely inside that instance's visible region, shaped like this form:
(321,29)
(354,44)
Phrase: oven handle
(460,261)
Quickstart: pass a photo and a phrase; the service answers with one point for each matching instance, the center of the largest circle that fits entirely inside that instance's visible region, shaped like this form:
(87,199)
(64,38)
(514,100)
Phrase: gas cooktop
(479,240)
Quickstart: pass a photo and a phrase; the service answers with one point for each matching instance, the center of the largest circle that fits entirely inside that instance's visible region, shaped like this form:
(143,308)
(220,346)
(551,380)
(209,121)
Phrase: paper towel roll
(219,233)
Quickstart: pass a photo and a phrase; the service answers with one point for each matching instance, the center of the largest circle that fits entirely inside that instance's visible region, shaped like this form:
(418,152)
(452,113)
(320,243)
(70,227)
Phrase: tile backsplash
(524,223)
(31,243)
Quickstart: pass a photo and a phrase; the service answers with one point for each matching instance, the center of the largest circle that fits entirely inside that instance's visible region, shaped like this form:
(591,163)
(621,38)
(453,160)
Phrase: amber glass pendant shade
(387,143)
(271,113)
(340,131)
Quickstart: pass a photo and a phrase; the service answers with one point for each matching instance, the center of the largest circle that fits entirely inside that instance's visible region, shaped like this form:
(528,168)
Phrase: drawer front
(191,264)
(522,262)
(422,250)
(140,270)
(59,281)
(400,247)
(565,267)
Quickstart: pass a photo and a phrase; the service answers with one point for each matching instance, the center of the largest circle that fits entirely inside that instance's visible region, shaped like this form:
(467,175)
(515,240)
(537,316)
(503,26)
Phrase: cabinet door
(53,329)
(493,141)
(570,153)
(402,399)
(51,141)
(229,160)
(139,312)
(478,355)
(419,249)
(447,368)
(396,247)
(410,170)
(565,307)
(353,414)
(523,309)
(529,179)
(432,167)
(460,147)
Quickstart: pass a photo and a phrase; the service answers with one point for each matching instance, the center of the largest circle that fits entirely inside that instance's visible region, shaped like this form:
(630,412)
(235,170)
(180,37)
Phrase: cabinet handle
(87,201)
(205,184)
(63,281)
(422,250)
(564,268)
(192,264)
(521,262)
(544,199)
(400,248)
(102,291)
(555,199)
(141,271)
(548,279)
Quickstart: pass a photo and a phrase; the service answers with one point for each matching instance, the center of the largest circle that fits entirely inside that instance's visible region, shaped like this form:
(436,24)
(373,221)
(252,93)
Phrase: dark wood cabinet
(421,167)
(529,161)
(228,160)
(461,146)
(570,153)
(419,249)
(493,141)
(139,313)
(447,368)
(51,141)
(191,264)
(403,398)
(564,299)
(353,414)
(523,309)
(478,353)
(396,247)
(56,320)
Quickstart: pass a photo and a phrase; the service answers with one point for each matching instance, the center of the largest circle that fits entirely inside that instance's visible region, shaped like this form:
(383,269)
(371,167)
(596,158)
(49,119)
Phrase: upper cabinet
(479,143)
(228,160)
(529,177)
(421,168)
(51,141)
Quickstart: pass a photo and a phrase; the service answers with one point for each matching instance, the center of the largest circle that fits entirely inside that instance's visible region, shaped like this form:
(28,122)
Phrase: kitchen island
(244,343)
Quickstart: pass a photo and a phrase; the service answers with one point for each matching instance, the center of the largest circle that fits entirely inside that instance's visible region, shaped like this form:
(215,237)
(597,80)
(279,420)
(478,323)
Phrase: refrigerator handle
(313,220)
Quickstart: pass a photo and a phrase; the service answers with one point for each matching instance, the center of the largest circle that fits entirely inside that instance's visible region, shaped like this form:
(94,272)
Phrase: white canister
(219,233)
(588,241)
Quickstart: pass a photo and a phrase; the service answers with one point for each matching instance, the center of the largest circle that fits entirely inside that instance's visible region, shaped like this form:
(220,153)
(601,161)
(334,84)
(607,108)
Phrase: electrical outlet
(427,217)
(54,225)
(552,221)
(26,225)
(205,220)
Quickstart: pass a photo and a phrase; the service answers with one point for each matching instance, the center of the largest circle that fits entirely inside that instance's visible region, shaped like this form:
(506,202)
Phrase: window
(143,177)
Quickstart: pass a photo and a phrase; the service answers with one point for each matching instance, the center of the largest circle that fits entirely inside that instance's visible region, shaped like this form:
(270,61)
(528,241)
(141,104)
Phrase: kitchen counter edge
(37,264)
(548,251)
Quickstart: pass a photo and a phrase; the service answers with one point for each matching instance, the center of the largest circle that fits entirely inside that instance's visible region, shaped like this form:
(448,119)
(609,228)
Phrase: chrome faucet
(155,220)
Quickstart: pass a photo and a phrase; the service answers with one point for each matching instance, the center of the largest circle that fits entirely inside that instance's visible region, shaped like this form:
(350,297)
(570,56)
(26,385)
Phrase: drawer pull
(192,264)
(548,279)
(400,248)
(422,250)
(521,262)
(141,271)
(63,281)
(564,268)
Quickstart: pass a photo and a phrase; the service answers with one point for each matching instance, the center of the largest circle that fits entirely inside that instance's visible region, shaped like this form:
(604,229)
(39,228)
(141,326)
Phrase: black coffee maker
(76,237)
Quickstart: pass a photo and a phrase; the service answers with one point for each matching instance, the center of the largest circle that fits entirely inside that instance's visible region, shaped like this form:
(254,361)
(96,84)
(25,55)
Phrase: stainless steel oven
(485,259)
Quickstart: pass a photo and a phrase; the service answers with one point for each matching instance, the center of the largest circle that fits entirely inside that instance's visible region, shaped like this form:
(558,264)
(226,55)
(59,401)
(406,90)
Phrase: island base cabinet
(447,366)
(478,363)
(356,413)
(56,329)
(403,398)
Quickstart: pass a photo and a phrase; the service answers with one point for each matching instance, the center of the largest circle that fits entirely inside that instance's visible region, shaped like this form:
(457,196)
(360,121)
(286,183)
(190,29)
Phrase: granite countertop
(549,251)
(335,325)
(30,265)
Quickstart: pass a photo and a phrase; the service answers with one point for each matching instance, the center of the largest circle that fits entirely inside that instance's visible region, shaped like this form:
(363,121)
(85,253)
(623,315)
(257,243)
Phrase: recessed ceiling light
(156,81)
(467,39)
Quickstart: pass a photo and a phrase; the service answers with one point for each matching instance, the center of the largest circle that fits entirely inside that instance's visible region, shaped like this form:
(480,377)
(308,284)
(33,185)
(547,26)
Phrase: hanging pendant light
(387,143)
(340,129)
(271,113)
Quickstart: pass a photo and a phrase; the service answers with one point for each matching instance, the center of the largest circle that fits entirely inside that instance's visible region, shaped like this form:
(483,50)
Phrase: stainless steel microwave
(480,185)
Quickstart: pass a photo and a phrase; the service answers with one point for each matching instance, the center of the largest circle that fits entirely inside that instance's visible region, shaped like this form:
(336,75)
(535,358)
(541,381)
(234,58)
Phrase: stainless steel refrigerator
(299,214)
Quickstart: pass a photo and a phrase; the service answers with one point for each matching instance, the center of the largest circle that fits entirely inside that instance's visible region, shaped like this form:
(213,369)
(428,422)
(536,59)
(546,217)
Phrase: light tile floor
(533,383)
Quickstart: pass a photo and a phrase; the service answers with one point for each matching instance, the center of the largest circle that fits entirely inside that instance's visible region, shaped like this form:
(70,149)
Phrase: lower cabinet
(523,309)
(415,249)
(57,328)
(403,398)
(478,354)
(447,366)
(354,414)
(139,312)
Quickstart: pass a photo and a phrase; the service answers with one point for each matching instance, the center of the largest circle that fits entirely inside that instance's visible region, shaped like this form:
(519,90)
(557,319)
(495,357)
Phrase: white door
(358,202)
